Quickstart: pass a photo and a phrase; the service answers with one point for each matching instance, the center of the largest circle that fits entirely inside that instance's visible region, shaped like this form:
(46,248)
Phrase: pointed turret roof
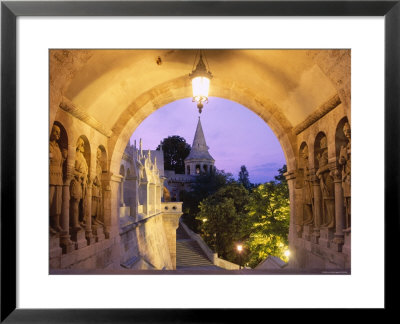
(199,149)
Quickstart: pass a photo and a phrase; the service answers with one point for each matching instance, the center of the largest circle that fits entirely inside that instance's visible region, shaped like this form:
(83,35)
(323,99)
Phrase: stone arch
(180,88)
(340,138)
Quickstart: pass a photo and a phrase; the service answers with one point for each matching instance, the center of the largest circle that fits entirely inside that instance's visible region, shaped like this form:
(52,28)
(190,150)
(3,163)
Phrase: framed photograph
(79,77)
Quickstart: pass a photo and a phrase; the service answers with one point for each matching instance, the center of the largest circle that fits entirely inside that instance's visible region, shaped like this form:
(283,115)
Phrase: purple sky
(234,134)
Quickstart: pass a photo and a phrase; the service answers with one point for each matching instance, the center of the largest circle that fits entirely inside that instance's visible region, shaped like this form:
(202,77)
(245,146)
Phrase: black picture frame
(10,10)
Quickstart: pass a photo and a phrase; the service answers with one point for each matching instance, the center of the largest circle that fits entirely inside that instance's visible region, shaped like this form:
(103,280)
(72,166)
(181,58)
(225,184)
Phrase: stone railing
(213,257)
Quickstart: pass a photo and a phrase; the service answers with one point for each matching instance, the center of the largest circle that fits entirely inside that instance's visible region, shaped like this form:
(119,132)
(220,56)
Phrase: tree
(175,151)
(205,185)
(244,177)
(223,219)
(268,209)
(282,179)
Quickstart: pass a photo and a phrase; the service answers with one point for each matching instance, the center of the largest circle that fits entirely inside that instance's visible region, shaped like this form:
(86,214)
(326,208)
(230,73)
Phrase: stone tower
(199,160)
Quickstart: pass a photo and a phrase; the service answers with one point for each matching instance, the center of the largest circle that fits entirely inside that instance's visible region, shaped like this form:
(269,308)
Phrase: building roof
(272,262)
(199,149)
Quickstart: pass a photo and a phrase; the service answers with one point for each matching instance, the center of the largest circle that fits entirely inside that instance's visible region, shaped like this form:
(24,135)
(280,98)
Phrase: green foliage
(204,186)
(224,220)
(224,212)
(269,213)
(175,151)
(280,177)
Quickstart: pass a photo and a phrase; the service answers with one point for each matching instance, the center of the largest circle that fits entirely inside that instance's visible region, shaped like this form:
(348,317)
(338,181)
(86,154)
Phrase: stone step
(181,234)
(189,254)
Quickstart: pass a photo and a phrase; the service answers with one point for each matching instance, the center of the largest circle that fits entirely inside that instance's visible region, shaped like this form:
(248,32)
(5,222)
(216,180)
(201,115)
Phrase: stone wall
(320,197)
(152,239)
(100,220)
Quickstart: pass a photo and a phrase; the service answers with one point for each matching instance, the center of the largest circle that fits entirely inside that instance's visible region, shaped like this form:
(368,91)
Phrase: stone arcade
(99,97)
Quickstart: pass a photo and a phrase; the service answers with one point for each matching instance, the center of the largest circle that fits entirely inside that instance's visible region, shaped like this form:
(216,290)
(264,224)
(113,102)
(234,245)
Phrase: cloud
(266,167)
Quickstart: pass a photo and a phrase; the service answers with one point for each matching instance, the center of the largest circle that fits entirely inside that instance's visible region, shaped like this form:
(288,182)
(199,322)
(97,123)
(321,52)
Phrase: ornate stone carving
(307,190)
(345,162)
(327,186)
(79,188)
(97,194)
(57,159)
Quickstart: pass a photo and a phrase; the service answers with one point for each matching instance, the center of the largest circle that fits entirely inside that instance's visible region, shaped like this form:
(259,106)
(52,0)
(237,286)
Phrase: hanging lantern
(200,83)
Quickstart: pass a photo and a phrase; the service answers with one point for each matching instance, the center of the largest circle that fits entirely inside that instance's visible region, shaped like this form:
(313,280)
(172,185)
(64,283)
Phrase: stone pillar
(291,178)
(338,240)
(122,193)
(143,196)
(105,183)
(171,223)
(132,182)
(65,239)
(158,198)
(88,214)
(317,207)
(115,208)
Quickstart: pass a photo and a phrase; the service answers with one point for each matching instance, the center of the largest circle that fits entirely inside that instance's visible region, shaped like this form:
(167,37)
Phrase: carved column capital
(336,174)
(313,177)
(290,175)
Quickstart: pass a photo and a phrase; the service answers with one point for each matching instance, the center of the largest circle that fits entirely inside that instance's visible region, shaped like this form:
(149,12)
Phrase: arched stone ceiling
(112,79)
(119,88)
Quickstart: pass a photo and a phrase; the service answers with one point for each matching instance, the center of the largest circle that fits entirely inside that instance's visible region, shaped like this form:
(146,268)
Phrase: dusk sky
(234,134)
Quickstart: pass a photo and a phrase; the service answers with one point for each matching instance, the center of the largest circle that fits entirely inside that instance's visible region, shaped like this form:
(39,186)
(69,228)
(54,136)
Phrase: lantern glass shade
(201,86)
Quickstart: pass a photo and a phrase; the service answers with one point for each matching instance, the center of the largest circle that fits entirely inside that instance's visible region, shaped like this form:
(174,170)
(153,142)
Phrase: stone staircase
(189,255)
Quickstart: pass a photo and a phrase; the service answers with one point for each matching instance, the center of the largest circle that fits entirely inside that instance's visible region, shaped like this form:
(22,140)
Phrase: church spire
(199,151)
(199,141)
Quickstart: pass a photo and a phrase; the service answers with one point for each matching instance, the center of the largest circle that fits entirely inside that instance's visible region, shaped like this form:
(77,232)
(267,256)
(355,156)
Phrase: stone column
(115,207)
(132,182)
(317,207)
(338,240)
(106,186)
(88,214)
(171,223)
(122,193)
(112,221)
(144,197)
(291,178)
(65,239)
